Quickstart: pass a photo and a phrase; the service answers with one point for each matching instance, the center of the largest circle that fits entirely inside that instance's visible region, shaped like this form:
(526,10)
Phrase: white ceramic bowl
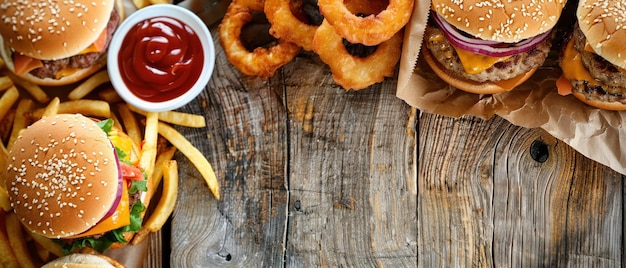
(161,10)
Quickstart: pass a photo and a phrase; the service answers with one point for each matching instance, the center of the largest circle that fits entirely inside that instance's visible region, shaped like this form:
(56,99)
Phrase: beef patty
(612,87)
(517,64)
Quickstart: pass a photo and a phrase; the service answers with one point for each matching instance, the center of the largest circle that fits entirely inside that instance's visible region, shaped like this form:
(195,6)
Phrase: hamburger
(594,60)
(81,260)
(485,47)
(56,43)
(76,180)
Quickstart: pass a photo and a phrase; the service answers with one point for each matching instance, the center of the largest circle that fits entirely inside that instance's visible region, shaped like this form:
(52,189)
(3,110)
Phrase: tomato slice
(130,172)
(564,86)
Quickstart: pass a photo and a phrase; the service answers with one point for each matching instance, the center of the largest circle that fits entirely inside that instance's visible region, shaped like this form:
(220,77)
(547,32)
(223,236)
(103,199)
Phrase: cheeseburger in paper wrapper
(597,134)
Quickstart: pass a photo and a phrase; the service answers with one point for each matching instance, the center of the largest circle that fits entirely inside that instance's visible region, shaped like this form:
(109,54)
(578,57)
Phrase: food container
(161,57)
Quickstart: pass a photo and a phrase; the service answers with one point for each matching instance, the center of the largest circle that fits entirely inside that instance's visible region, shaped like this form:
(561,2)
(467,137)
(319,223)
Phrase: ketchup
(161,58)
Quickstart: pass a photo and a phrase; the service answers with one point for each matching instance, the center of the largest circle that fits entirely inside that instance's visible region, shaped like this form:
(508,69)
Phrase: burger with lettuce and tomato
(594,59)
(488,47)
(76,180)
(57,42)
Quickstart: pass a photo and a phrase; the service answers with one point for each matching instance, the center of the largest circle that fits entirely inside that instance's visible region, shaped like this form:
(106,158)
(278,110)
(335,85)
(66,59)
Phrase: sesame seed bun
(53,29)
(63,176)
(603,23)
(81,260)
(506,21)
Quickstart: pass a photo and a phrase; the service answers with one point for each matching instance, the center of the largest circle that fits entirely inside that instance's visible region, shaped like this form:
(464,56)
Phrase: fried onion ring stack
(261,62)
(353,71)
(285,24)
(374,25)
(369,30)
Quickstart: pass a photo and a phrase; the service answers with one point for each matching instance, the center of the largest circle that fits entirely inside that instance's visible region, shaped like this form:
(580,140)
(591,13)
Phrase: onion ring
(370,30)
(261,62)
(353,72)
(285,25)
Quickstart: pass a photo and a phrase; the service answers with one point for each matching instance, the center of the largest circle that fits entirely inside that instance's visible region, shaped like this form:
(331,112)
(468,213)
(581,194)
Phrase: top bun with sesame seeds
(42,39)
(604,25)
(501,21)
(83,260)
(593,59)
(70,177)
(488,47)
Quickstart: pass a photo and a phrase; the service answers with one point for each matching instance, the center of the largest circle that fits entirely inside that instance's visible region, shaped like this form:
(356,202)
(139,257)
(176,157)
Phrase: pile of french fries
(22,103)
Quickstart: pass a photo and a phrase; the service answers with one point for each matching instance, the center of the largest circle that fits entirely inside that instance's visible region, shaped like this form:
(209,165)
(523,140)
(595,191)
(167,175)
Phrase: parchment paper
(595,133)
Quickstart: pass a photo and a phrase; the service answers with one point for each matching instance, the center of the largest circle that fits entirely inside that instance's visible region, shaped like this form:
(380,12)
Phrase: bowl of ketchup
(161,57)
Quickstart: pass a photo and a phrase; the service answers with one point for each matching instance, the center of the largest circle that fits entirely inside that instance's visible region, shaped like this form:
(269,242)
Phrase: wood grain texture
(245,142)
(484,201)
(351,173)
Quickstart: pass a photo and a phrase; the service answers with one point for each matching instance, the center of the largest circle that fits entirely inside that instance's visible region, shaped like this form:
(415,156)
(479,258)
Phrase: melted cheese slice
(510,84)
(572,65)
(120,218)
(474,63)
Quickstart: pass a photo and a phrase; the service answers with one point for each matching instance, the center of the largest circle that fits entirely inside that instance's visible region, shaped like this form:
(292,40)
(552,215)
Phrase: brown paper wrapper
(595,133)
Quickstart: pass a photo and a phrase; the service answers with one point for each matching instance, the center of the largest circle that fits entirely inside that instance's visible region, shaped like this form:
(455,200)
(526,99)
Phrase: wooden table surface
(314,176)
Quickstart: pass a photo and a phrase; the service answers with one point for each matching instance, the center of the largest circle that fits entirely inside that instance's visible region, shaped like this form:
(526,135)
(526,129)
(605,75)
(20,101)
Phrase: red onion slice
(485,47)
(120,186)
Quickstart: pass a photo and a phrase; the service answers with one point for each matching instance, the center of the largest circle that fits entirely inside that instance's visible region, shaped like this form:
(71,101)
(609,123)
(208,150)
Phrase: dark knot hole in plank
(539,151)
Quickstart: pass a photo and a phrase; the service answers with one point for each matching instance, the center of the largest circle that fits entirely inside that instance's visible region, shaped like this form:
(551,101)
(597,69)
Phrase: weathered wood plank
(245,142)
(485,201)
(351,173)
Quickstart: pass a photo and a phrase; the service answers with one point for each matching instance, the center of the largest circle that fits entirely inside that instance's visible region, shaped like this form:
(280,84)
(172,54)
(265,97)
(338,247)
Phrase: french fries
(18,243)
(109,95)
(149,148)
(52,108)
(141,3)
(194,155)
(144,3)
(162,158)
(22,102)
(6,125)
(7,100)
(130,123)
(33,89)
(5,203)
(7,258)
(5,82)
(176,118)
(48,244)
(87,107)
(166,204)
(89,85)
(21,120)
(95,108)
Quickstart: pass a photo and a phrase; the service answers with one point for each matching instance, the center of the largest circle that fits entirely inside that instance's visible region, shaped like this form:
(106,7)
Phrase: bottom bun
(81,260)
(5,53)
(606,105)
(473,86)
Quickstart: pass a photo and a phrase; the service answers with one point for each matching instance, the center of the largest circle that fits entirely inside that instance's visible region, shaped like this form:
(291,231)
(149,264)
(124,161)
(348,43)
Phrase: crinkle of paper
(595,133)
